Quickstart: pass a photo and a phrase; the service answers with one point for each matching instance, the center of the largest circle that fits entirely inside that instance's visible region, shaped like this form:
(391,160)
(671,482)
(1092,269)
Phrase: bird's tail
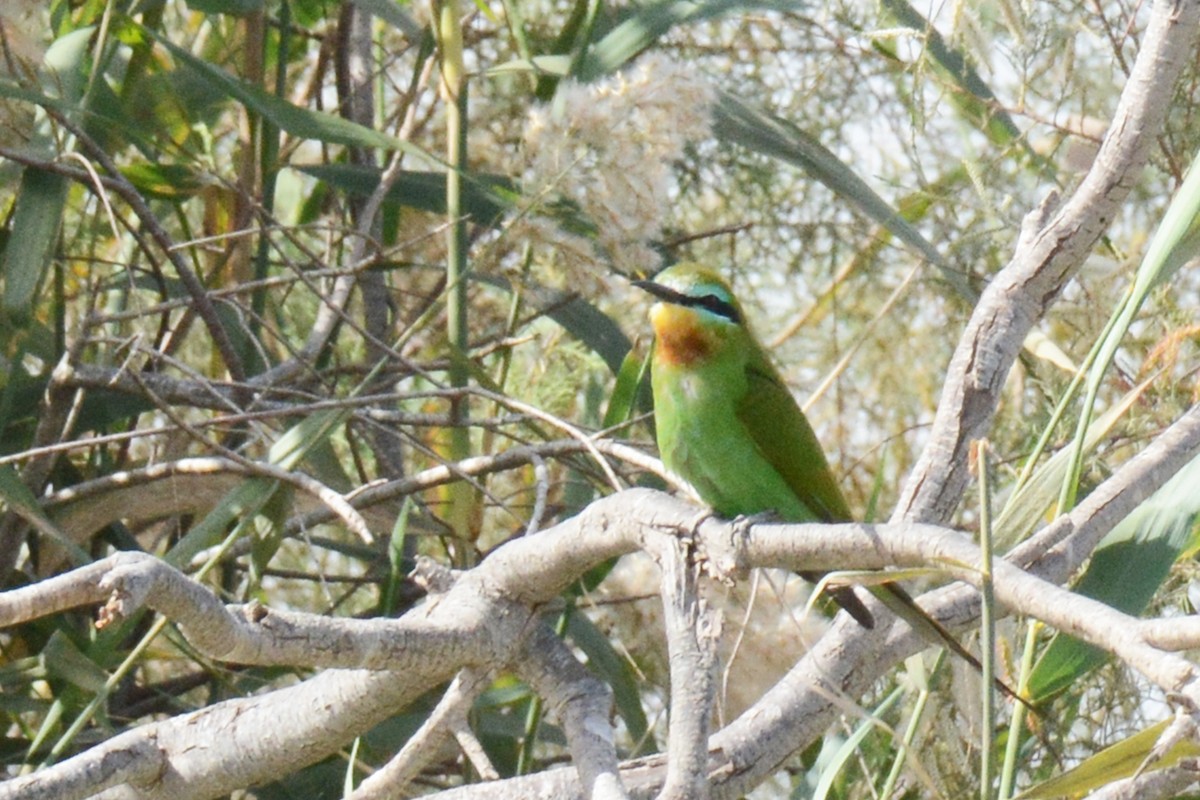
(845,597)
(902,604)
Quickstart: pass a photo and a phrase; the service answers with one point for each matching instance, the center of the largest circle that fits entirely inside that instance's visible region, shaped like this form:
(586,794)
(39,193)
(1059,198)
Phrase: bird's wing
(786,440)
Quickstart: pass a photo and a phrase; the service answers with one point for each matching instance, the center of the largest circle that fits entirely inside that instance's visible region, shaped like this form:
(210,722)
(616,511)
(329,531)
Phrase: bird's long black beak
(708,302)
(662,292)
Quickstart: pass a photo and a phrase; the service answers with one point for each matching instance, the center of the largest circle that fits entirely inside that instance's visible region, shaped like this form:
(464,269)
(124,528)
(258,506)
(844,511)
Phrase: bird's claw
(692,529)
(744,522)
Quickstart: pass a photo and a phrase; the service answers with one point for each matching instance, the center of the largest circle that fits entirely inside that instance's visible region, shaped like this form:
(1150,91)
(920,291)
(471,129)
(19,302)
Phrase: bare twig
(392,779)
(119,184)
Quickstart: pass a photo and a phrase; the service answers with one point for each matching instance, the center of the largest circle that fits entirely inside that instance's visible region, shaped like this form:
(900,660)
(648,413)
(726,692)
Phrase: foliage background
(227,117)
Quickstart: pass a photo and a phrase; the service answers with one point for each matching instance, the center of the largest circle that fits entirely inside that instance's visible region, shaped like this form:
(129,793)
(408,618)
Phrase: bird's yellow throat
(683,338)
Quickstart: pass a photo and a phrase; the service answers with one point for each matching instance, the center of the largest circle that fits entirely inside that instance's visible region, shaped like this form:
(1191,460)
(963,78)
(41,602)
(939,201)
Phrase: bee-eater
(729,426)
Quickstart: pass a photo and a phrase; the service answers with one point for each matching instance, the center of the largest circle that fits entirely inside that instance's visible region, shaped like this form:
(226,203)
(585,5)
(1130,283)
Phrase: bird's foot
(744,522)
(727,555)
(689,536)
(691,530)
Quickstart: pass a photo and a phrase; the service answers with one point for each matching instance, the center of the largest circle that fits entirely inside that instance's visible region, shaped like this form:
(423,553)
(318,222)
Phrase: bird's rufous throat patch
(681,336)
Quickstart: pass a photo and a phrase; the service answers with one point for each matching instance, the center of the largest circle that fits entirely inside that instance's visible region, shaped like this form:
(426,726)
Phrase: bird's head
(696,312)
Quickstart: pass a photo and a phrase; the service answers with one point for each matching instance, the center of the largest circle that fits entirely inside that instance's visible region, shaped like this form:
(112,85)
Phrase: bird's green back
(786,439)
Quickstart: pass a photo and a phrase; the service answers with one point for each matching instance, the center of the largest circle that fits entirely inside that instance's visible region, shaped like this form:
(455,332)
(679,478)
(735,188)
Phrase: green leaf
(242,504)
(595,329)
(736,122)
(483,194)
(165,181)
(390,12)
(648,24)
(1034,499)
(970,94)
(631,377)
(1177,240)
(1175,243)
(67,662)
(254,496)
(1113,763)
(16,497)
(578,317)
(268,532)
(29,252)
(846,753)
(1128,567)
(396,566)
(554,66)
(302,122)
(21,397)
(234,8)
(298,440)
(67,58)
(14,91)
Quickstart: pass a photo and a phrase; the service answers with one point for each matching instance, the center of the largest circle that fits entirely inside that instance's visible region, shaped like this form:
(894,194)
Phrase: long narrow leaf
(1038,495)
(969,92)
(483,195)
(253,496)
(611,667)
(16,497)
(649,23)
(1175,242)
(1128,567)
(1112,764)
(737,122)
(30,248)
(302,122)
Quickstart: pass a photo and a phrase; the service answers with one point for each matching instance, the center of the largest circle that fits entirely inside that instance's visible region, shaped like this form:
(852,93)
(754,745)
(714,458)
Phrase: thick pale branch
(584,705)
(243,742)
(392,779)
(1044,260)
(1017,590)
(488,617)
(79,587)
(252,634)
(130,759)
(692,631)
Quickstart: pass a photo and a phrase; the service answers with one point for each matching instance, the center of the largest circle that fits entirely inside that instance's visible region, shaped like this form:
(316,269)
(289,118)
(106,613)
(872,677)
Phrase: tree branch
(1044,260)
(692,632)
(583,704)
(487,617)
(393,778)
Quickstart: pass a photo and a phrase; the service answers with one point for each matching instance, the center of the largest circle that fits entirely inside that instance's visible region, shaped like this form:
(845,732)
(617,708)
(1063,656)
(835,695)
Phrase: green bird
(729,426)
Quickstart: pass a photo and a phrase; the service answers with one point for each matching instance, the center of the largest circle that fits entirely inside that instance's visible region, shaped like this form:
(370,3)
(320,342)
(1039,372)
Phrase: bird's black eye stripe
(709,302)
(718,306)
